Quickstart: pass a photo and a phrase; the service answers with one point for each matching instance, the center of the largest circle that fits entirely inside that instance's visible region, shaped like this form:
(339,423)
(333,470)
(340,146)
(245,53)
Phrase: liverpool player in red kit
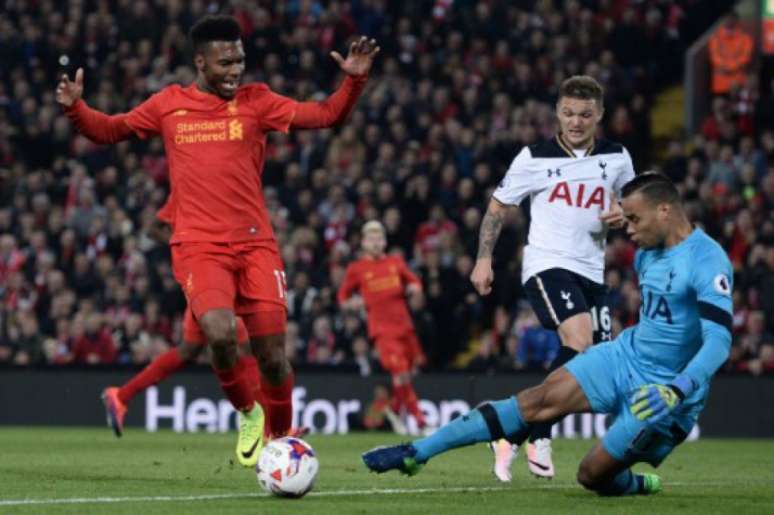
(116,399)
(383,282)
(224,252)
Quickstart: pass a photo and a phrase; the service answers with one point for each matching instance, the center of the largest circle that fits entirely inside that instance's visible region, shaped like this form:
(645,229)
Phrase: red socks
(408,398)
(243,385)
(157,370)
(279,404)
(395,402)
(253,375)
(236,385)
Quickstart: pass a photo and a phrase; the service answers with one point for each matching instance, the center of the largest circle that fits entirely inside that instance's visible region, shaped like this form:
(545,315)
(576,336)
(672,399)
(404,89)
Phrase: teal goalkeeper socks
(509,416)
(625,483)
(483,424)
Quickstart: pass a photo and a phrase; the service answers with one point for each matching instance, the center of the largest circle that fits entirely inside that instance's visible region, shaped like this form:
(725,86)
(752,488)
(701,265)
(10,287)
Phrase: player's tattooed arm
(483,275)
(491,226)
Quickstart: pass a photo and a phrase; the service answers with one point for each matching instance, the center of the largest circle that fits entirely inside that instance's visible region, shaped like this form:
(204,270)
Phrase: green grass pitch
(83,471)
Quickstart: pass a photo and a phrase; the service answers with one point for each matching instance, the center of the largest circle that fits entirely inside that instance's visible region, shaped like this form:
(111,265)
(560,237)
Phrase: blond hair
(372,226)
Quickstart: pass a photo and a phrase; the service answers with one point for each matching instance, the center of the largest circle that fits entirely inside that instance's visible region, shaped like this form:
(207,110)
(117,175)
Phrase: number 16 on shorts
(601,323)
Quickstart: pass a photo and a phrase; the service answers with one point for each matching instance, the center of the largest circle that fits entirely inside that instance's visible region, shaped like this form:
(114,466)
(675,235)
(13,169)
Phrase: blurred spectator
(754,350)
(92,344)
(29,345)
(485,359)
(430,234)
(731,52)
(11,258)
(293,342)
(537,348)
(362,356)
(321,346)
(722,175)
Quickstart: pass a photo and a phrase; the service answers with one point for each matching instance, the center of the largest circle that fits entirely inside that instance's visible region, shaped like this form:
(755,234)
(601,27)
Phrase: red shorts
(399,353)
(192,333)
(247,278)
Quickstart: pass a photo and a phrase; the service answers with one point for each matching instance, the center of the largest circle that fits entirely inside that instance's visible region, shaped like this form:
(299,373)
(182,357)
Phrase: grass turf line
(195,473)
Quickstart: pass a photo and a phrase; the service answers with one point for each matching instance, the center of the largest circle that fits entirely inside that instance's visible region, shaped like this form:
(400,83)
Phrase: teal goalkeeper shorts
(608,375)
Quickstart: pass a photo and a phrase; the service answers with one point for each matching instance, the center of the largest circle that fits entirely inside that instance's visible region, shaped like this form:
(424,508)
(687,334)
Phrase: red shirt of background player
(382,283)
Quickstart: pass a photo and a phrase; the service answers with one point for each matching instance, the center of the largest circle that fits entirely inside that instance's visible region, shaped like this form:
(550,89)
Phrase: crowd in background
(458,88)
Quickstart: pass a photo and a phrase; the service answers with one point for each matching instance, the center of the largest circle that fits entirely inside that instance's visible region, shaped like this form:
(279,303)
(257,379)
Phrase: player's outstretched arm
(93,124)
(482,275)
(336,108)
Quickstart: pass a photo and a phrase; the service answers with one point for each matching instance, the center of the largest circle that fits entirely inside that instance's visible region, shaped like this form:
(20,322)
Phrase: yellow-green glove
(652,402)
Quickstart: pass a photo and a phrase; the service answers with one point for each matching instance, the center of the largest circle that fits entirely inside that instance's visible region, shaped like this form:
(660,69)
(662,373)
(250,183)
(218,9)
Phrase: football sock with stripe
(483,424)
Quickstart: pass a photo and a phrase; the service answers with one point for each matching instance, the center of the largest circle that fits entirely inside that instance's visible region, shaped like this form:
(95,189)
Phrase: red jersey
(215,149)
(382,284)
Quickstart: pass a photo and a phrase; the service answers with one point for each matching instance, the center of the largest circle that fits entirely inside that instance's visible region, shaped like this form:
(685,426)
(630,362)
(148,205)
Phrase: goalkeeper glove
(653,402)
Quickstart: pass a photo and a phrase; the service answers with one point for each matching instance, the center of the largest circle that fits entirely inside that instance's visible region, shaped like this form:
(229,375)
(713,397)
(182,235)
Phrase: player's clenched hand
(69,92)
(482,276)
(360,57)
(613,217)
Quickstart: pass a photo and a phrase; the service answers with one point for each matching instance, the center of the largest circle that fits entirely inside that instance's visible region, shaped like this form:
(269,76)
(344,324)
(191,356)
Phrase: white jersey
(567,194)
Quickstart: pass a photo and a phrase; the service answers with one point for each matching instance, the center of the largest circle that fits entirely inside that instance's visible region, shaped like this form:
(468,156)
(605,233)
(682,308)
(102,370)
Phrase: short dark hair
(582,86)
(214,27)
(656,187)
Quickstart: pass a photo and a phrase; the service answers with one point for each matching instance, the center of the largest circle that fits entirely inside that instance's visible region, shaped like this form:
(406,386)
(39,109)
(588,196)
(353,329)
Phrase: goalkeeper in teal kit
(654,378)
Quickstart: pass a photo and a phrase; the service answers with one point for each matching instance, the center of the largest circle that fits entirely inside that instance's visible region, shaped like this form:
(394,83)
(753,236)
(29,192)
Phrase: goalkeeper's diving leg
(560,394)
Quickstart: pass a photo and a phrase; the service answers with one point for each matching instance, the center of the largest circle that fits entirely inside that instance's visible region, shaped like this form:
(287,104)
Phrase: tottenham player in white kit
(572,181)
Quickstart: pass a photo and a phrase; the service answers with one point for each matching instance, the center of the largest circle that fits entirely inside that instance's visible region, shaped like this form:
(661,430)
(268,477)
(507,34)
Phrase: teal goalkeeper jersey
(686,309)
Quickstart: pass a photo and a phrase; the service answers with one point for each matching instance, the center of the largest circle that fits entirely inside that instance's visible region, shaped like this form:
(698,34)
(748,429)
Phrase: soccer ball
(287,467)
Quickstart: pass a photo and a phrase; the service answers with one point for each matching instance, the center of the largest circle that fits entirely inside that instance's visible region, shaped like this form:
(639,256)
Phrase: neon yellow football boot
(250,441)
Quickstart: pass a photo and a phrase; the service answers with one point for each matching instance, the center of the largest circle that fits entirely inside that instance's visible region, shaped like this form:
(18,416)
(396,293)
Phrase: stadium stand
(84,267)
